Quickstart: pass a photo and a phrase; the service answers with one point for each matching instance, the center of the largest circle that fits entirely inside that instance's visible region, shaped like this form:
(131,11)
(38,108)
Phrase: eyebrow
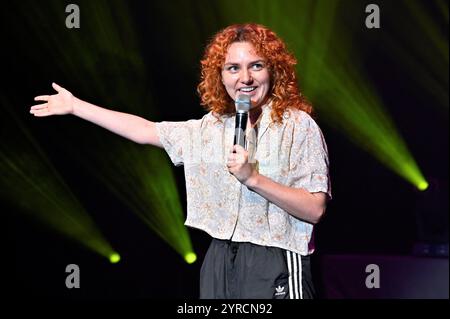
(253,62)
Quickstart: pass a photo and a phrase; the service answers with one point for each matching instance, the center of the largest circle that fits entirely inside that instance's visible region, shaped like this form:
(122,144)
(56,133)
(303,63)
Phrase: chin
(259,102)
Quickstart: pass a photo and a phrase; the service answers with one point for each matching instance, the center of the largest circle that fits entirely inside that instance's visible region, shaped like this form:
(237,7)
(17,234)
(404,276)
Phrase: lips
(247,89)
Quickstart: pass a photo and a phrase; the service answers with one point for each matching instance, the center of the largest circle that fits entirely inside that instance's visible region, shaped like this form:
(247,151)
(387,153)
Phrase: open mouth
(247,89)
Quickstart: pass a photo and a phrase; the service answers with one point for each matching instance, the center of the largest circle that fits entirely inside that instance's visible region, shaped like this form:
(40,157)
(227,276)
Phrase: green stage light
(423,186)
(105,50)
(423,54)
(190,257)
(332,73)
(30,183)
(114,258)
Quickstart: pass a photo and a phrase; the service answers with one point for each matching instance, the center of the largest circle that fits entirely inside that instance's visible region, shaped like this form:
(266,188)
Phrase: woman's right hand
(57,104)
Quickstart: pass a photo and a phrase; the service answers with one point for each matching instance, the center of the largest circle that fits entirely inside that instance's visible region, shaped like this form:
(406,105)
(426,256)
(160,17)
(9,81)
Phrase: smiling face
(245,72)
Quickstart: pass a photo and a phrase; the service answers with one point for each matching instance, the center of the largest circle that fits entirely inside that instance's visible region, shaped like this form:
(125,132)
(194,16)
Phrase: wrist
(74,105)
(252,181)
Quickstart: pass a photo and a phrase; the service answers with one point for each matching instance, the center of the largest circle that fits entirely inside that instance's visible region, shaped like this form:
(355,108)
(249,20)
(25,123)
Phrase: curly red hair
(284,92)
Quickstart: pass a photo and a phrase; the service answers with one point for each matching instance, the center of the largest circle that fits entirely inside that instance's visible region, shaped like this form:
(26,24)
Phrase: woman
(259,203)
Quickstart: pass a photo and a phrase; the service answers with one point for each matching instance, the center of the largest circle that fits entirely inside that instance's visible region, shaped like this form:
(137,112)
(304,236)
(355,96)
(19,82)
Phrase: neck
(254,114)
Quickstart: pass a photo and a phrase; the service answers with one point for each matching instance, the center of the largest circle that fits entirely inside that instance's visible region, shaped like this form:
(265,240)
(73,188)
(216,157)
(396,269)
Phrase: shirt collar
(266,118)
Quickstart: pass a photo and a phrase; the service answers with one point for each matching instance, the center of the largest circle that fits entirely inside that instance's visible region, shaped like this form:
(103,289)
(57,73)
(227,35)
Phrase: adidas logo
(279,291)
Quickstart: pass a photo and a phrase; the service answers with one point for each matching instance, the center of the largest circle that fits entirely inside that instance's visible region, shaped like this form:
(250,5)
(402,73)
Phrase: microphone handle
(240,127)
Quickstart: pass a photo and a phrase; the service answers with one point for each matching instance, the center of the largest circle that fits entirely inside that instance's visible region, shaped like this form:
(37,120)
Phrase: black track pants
(241,270)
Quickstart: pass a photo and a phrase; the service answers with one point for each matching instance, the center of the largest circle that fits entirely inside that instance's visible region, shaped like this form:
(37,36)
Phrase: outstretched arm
(132,127)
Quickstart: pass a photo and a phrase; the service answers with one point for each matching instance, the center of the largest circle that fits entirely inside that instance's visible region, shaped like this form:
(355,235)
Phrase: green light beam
(331,76)
(110,50)
(30,182)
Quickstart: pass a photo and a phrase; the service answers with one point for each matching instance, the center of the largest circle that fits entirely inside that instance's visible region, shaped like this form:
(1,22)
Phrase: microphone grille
(242,103)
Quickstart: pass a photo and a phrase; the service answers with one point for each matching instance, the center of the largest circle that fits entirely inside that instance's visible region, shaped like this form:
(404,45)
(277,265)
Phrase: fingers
(46,97)
(237,158)
(39,106)
(231,157)
(231,160)
(41,112)
(238,154)
(237,148)
(42,98)
(42,109)
(56,87)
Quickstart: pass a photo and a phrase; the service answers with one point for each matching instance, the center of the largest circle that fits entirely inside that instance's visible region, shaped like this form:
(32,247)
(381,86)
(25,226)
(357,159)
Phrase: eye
(257,66)
(232,68)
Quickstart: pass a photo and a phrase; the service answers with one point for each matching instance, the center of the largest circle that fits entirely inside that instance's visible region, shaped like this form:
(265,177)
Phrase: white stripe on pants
(294,262)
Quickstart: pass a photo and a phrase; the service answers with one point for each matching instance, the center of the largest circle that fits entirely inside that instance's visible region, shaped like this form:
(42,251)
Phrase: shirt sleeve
(176,138)
(309,163)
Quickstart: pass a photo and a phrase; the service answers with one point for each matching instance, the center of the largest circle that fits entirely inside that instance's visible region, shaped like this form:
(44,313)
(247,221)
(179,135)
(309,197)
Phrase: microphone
(242,104)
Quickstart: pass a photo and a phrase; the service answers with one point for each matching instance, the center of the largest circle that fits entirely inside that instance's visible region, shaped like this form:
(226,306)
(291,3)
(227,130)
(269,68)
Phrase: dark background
(373,210)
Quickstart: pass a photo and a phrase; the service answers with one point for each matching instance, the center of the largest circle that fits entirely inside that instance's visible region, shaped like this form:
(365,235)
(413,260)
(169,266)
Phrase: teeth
(247,89)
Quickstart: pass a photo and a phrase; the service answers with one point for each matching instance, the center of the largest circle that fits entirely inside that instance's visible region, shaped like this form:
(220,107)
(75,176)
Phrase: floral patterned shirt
(292,153)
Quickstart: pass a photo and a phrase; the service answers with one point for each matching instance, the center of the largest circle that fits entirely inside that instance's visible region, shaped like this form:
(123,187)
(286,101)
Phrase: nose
(246,77)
